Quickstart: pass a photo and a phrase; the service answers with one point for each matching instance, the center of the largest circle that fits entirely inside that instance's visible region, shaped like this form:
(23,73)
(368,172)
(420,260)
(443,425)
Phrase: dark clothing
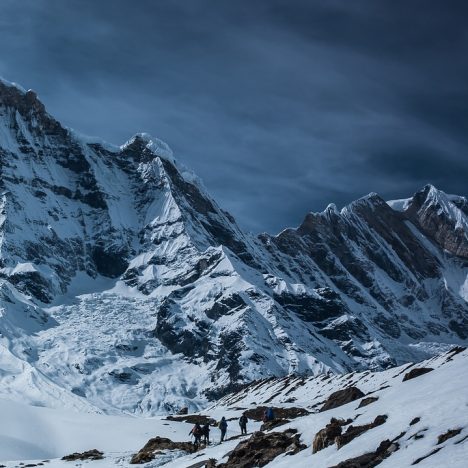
(243,424)
(197,433)
(206,434)
(270,414)
(223,434)
(223,428)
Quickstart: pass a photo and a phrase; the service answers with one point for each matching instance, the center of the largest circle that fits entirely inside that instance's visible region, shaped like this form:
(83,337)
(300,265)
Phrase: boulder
(367,401)
(355,431)
(328,434)
(183,410)
(369,460)
(157,444)
(281,413)
(193,419)
(88,455)
(448,435)
(342,397)
(269,425)
(416,372)
(260,449)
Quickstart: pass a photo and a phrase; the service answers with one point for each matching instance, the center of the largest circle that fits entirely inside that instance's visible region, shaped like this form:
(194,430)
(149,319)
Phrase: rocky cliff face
(131,287)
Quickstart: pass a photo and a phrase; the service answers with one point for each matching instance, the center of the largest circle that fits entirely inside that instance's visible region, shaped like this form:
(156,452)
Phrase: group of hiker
(200,432)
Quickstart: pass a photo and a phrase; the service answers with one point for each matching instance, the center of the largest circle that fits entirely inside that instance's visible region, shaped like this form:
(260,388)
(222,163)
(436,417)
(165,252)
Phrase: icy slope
(130,289)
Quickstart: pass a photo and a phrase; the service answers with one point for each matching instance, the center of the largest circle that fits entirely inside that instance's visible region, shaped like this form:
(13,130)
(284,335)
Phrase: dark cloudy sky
(281,106)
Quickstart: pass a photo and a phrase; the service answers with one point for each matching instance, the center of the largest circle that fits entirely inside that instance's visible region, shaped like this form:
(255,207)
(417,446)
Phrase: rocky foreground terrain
(415,414)
(124,287)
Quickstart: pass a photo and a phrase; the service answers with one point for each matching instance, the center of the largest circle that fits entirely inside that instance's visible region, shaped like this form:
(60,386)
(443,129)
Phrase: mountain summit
(125,287)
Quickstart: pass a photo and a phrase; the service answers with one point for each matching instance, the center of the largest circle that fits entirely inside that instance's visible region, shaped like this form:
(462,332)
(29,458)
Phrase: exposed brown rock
(419,460)
(148,452)
(183,410)
(341,397)
(367,401)
(327,435)
(355,431)
(448,435)
(369,460)
(210,463)
(193,419)
(260,449)
(416,372)
(418,435)
(269,425)
(89,455)
(280,413)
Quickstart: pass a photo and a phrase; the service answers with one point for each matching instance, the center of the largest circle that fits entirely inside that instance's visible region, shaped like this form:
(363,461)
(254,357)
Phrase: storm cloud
(280,106)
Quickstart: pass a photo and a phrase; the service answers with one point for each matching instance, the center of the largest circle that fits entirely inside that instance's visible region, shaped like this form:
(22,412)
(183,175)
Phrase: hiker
(197,433)
(270,414)
(206,434)
(222,427)
(243,424)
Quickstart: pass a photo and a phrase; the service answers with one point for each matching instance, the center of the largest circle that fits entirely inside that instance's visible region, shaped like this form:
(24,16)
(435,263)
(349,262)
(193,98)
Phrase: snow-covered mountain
(125,287)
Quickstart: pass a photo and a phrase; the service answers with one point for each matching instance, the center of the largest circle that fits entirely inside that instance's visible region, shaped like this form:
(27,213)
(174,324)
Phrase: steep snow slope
(418,411)
(126,287)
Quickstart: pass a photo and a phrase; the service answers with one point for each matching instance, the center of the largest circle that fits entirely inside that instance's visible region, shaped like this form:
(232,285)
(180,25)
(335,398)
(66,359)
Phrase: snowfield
(438,398)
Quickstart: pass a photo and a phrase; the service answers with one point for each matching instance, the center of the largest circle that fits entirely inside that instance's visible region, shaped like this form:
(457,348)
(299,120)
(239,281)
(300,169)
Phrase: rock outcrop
(416,372)
(326,436)
(367,401)
(93,454)
(355,431)
(448,435)
(342,397)
(279,412)
(260,449)
(369,460)
(159,444)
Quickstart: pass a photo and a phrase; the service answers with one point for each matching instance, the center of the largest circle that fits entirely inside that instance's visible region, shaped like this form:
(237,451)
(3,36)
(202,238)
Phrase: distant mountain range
(125,287)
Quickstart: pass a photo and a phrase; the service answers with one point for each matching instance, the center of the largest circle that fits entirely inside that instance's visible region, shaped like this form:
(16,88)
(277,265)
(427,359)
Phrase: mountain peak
(13,95)
(144,141)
